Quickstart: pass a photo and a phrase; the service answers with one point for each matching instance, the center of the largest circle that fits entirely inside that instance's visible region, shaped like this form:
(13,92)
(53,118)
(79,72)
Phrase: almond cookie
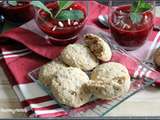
(98,46)
(77,55)
(112,78)
(68,87)
(156,58)
(107,90)
(47,71)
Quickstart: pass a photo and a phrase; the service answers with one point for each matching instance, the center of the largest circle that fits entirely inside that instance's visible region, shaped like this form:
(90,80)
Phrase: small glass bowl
(60,32)
(126,33)
(20,13)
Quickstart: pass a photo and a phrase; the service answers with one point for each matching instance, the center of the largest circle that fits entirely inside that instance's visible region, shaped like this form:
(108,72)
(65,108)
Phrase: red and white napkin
(21,51)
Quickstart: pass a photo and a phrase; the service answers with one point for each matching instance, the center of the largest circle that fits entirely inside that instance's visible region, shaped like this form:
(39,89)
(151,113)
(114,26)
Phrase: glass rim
(127,2)
(134,31)
(27,4)
(151,9)
(37,16)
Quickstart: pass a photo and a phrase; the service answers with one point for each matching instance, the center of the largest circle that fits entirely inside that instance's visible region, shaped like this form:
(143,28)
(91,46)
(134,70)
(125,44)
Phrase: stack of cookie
(67,76)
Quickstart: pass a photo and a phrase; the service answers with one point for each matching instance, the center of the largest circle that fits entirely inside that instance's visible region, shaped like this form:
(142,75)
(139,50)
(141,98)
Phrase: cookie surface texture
(98,46)
(47,71)
(110,80)
(78,55)
(68,87)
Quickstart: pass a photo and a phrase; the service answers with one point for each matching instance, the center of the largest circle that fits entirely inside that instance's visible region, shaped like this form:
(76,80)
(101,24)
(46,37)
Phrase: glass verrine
(131,25)
(17,11)
(63,27)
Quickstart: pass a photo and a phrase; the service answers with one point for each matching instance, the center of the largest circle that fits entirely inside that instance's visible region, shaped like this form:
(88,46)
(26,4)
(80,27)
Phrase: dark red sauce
(51,26)
(129,35)
(22,12)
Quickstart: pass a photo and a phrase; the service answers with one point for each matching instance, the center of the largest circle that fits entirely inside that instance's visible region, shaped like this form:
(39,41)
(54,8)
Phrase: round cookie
(110,71)
(47,71)
(98,46)
(110,80)
(68,87)
(156,58)
(77,55)
(107,90)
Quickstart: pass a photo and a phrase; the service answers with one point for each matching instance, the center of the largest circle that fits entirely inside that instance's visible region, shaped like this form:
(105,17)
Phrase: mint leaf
(40,5)
(72,15)
(136,17)
(13,3)
(144,7)
(64,4)
(134,6)
(138,7)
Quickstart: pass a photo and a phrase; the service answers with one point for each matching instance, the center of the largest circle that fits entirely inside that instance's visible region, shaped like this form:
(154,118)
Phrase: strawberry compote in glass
(57,31)
(127,34)
(18,13)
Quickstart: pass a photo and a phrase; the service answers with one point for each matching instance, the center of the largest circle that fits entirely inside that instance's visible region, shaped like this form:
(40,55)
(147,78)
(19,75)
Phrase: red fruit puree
(129,35)
(22,12)
(60,29)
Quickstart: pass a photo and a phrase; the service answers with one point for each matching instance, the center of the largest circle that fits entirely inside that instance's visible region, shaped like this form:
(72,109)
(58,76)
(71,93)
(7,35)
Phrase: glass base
(130,48)
(60,42)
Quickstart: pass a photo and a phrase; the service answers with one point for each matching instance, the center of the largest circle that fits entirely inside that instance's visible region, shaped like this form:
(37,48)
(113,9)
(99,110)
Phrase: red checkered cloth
(22,51)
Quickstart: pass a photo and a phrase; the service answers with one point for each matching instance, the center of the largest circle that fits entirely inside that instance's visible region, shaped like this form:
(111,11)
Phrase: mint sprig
(13,3)
(62,13)
(40,5)
(72,15)
(136,17)
(141,6)
(137,8)
(63,5)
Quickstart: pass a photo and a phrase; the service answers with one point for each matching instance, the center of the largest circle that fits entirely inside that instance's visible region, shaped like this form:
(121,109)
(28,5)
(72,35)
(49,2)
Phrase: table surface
(144,103)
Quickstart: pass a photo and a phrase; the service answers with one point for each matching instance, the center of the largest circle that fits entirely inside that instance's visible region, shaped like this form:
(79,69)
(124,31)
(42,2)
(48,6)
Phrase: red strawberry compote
(127,34)
(61,31)
(20,13)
